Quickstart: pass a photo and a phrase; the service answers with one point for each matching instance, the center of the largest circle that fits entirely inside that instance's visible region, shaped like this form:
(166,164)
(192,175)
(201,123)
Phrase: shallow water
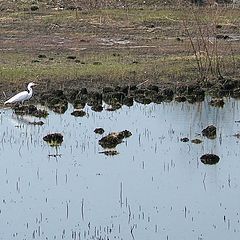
(155,188)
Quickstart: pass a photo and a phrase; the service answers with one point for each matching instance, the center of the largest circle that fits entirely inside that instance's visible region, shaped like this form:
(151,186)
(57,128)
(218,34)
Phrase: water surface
(155,188)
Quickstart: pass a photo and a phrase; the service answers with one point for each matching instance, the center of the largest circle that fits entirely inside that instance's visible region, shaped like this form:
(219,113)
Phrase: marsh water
(155,188)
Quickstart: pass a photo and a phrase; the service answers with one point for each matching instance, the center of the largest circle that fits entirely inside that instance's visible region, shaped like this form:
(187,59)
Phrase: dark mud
(110,152)
(217,102)
(237,135)
(79,92)
(209,159)
(116,96)
(113,139)
(99,131)
(78,113)
(55,100)
(53,139)
(30,110)
(210,132)
(37,123)
(185,139)
(196,141)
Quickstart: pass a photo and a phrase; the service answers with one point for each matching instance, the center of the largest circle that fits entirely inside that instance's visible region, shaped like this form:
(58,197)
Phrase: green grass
(131,15)
(20,66)
(110,67)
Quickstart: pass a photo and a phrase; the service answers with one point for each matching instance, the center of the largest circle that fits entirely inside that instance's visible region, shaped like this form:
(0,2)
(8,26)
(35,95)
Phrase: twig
(4,94)
(140,84)
(193,47)
(204,42)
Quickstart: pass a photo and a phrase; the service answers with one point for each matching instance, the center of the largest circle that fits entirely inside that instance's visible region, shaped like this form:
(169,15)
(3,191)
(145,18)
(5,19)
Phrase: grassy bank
(115,45)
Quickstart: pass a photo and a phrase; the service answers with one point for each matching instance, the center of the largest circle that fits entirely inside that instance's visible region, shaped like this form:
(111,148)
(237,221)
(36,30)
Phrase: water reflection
(155,188)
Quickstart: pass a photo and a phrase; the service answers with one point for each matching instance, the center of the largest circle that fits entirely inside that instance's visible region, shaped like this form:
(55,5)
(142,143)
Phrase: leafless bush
(212,51)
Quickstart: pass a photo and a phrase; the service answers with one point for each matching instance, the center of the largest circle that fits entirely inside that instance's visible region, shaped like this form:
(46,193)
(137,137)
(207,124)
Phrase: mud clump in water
(236,93)
(193,93)
(114,107)
(168,94)
(37,123)
(185,139)
(94,98)
(77,97)
(78,113)
(158,98)
(140,98)
(125,134)
(145,95)
(117,96)
(54,139)
(55,100)
(196,141)
(113,139)
(79,103)
(217,102)
(99,130)
(128,101)
(30,110)
(209,159)
(113,97)
(110,152)
(237,135)
(228,85)
(97,108)
(210,132)
(180,99)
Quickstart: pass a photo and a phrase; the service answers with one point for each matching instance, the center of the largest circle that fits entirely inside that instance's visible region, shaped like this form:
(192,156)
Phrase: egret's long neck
(30,91)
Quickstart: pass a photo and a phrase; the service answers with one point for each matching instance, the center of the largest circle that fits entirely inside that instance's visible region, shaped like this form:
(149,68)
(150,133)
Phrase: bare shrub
(211,49)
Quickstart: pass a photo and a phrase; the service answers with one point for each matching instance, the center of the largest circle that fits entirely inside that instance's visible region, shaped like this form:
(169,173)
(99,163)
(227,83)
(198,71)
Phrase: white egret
(22,96)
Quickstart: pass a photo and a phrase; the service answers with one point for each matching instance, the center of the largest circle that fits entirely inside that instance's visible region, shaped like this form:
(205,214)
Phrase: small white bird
(22,96)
